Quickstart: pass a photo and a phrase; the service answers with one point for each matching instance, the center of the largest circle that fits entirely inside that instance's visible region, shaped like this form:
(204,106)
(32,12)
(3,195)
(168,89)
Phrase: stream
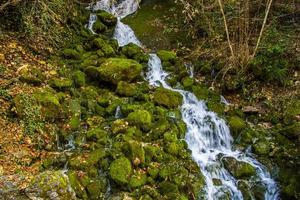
(207,136)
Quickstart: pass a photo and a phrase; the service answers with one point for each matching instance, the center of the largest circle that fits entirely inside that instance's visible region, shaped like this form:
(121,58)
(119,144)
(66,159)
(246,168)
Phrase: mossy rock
(167,188)
(71,54)
(77,186)
(99,27)
(137,153)
(141,119)
(135,52)
(31,75)
(49,183)
(86,161)
(236,124)
(200,91)
(107,18)
(98,135)
(119,126)
(167,98)
(138,179)
(167,56)
(96,188)
(114,70)
(292,110)
(104,46)
(79,78)
(126,89)
(50,105)
(187,83)
(239,169)
(262,147)
(291,131)
(120,170)
(61,83)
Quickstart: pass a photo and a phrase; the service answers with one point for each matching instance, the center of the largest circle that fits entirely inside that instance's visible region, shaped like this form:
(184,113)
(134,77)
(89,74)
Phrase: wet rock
(238,169)
(167,98)
(99,27)
(141,119)
(167,56)
(120,170)
(114,70)
(50,185)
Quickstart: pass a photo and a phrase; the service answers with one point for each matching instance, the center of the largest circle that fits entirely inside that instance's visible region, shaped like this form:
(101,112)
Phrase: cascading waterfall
(207,136)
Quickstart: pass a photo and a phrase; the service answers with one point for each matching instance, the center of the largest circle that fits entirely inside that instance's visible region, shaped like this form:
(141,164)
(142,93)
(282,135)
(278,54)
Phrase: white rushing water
(207,136)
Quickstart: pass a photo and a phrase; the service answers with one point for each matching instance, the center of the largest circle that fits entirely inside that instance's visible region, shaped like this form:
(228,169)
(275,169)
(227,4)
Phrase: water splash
(207,135)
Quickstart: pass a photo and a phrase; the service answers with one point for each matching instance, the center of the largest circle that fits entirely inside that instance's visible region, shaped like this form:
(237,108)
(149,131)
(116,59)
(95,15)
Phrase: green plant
(270,64)
(31,120)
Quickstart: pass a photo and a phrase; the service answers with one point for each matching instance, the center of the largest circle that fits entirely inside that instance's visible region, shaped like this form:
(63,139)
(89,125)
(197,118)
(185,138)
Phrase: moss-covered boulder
(104,48)
(76,184)
(126,89)
(292,131)
(31,75)
(50,184)
(120,170)
(119,126)
(86,161)
(98,135)
(167,56)
(114,70)
(167,98)
(135,52)
(61,83)
(137,153)
(138,179)
(236,124)
(107,18)
(96,188)
(238,169)
(262,147)
(141,119)
(99,27)
(79,78)
(49,102)
(71,54)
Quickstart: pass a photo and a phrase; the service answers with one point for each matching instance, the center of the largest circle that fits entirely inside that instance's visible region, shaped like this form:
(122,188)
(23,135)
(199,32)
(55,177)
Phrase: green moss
(201,92)
(236,124)
(49,182)
(167,98)
(114,70)
(74,122)
(238,169)
(119,126)
(104,46)
(98,135)
(99,27)
(137,153)
(167,187)
(31,75)
(187,83)
(79,78)
(86,160)
(135,52)
(120,170)
(292,131)
(141,119)
(261,147)
(107,18)
(96,188)
(167,56)
(138,179)
(126,89)
(71,54)
(61,83)
(76,185)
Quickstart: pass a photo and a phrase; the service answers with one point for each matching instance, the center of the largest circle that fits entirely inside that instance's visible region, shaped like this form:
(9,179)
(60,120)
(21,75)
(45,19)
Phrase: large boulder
(114,70)
(167,98)
(236,124)
(120,170)
(135,52)
(107,18)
